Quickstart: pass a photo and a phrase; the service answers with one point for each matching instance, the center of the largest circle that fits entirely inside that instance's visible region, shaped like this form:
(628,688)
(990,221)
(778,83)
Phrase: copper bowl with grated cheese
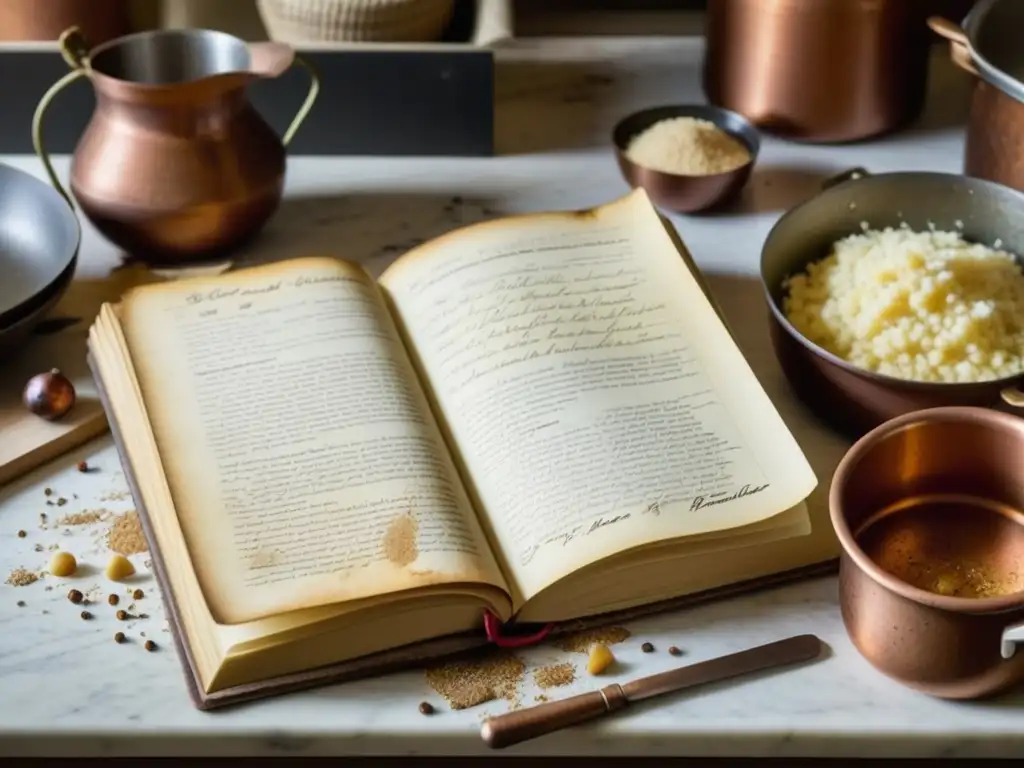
(854,398)
(687,157)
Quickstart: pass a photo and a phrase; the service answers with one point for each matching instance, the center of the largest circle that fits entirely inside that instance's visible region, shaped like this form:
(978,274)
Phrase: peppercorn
(113,599)
(119,637)
(75,596)
(86,615)
(675,651)
(121,615)
(150,645)
(646,647)
(426,708)
(138,594)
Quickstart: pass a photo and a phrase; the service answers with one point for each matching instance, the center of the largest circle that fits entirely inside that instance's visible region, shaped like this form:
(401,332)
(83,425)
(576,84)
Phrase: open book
(542,416)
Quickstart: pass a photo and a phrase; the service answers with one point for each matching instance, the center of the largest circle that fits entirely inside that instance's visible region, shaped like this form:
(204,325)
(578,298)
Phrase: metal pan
(11,336)
(39,240)
(849,398)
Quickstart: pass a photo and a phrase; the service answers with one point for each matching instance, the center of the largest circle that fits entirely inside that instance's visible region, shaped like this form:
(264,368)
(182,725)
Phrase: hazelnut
(119,568)
(119,637)
(675,651)
(138,594)
(121,615)
(75,596)
(113,599)
(600,659)
(150,645)
(49,395)
(63,564)
(647,647)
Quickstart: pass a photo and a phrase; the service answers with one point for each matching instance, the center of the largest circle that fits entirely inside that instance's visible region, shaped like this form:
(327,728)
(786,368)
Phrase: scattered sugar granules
(125,535)
(85,517)
(22,578)
(581,642)
(555,675)
(465,684)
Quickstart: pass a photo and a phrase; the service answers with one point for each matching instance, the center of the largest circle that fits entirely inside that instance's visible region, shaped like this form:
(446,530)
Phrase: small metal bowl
(677,192)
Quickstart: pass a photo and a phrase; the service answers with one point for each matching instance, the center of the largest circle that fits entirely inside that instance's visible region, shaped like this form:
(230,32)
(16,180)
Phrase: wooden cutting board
(27,440)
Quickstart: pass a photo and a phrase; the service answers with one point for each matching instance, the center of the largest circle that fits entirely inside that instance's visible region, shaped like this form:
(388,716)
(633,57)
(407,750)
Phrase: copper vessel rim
(155,87)
(951,414)
(670,178)
(881,378)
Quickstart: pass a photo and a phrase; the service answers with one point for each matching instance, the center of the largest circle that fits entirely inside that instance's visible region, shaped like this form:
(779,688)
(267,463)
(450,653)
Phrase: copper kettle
(175,164)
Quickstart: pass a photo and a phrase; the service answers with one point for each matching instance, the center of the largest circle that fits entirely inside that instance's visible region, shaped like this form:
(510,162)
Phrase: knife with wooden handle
(522,725)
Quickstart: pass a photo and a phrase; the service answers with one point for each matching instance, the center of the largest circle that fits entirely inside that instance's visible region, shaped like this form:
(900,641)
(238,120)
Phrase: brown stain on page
(399,543)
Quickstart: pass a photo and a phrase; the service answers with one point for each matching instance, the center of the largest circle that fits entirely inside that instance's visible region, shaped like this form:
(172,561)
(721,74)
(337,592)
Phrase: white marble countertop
(66,688)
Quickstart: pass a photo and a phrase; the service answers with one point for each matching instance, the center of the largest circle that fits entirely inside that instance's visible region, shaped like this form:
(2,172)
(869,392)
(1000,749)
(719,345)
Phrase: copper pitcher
(175,164)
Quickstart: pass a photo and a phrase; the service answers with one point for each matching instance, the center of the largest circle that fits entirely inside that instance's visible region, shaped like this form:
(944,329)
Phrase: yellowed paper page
(304,464)
(596,399)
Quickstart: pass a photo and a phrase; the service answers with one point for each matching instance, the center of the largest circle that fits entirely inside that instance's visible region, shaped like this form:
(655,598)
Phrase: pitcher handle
(307,105)
(75,51)
(37,129)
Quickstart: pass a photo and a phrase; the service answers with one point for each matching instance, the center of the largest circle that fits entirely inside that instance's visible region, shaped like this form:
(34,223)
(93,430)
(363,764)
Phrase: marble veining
(68,689)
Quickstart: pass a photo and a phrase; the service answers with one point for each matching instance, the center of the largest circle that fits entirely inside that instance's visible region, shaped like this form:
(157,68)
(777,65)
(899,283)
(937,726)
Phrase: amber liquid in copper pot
(948,544)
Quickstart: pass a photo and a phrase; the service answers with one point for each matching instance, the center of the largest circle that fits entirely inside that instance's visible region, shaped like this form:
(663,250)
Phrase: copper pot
(847,397)
(175,164)
(994,144)
(928,511)
(817,71)
(99,20)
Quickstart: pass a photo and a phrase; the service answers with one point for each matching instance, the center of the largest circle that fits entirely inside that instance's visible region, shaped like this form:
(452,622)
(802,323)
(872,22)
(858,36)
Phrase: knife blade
(524,724)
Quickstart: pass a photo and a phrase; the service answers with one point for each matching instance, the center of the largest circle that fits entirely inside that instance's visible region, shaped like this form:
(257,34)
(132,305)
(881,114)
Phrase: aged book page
(595,399)
(302,457)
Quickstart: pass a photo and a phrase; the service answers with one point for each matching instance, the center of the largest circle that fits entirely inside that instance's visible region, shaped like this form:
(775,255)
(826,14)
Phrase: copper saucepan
(987,45)
(849,398)
(928,510)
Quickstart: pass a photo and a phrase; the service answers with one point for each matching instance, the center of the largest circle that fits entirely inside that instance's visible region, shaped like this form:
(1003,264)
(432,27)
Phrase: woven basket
(393,21)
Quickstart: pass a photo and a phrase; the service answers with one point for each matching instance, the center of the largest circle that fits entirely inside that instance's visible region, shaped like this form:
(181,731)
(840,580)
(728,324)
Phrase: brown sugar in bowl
(679,192)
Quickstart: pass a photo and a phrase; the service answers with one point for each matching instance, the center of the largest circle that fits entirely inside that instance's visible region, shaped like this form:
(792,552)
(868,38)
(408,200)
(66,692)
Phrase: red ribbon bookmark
(493,627)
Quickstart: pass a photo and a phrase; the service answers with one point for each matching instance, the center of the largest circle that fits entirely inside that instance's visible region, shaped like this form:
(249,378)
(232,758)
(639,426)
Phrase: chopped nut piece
(600,659)
(119,568)
(63,564)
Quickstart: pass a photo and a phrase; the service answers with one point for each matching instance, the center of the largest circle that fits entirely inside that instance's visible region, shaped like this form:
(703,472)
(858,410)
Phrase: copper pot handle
(75,51)
(1013,636)
(959,45)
